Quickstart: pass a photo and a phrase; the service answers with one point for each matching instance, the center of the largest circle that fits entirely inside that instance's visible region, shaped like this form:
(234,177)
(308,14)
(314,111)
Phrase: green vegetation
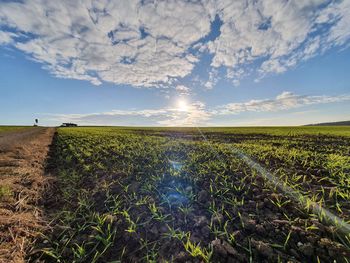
(5,191)
(278,131)
(183,194)
(12,128)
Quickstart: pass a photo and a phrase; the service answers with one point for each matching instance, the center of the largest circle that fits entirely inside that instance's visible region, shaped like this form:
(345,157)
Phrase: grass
(13,128)
(161,194)
(5,192)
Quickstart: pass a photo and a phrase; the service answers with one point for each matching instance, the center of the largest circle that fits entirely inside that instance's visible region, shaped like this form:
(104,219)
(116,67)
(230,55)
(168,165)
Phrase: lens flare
(182,105)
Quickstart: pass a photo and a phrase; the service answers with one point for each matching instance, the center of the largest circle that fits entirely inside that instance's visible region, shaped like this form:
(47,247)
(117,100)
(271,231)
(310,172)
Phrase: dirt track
(22,181)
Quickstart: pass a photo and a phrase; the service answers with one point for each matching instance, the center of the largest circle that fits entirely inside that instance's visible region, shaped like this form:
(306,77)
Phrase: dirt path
(22,181)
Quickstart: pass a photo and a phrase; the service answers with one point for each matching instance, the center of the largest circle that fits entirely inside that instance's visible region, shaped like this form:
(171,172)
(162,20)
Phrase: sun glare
(182,105)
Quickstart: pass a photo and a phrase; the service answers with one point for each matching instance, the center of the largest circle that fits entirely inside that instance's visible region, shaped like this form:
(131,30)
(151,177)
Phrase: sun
(182,105)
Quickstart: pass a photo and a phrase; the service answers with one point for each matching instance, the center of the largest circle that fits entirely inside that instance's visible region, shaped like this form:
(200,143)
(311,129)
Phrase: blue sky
(174,63)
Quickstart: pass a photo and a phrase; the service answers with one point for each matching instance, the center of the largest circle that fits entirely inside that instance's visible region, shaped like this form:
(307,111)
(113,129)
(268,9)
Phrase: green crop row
(177,195)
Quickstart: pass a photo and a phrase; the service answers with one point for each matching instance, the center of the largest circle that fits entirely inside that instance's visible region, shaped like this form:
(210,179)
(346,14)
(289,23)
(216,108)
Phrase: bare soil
(22,181)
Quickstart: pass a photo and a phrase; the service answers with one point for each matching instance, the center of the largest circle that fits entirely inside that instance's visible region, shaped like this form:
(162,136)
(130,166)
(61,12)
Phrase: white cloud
(6,37)
(182,90)
(150,43)
(279,33)
(196,113)
(123,42)
(336,13)
(212,80)
(284,101)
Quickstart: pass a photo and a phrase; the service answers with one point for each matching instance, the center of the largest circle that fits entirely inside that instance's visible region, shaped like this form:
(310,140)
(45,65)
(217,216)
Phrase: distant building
(66,124)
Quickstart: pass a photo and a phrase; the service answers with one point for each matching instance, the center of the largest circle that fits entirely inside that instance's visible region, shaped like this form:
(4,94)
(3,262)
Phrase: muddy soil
(22,181)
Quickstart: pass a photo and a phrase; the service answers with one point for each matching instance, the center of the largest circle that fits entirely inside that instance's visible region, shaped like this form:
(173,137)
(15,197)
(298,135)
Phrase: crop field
(198,195)
(12,128)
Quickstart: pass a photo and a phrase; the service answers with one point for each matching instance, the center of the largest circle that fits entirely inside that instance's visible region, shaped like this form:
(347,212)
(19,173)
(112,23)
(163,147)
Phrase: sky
(174,62)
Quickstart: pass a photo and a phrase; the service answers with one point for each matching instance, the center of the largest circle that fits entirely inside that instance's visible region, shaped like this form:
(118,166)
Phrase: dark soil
(259,231)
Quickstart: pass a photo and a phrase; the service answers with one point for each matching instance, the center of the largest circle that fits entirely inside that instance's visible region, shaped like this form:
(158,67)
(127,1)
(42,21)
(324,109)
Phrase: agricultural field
(12,128)
(198,195)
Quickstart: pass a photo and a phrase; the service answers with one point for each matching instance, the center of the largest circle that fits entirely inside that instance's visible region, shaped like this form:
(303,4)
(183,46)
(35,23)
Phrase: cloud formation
(196,114)
(152,43)
(284,101)
(182,90)
(193,116)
